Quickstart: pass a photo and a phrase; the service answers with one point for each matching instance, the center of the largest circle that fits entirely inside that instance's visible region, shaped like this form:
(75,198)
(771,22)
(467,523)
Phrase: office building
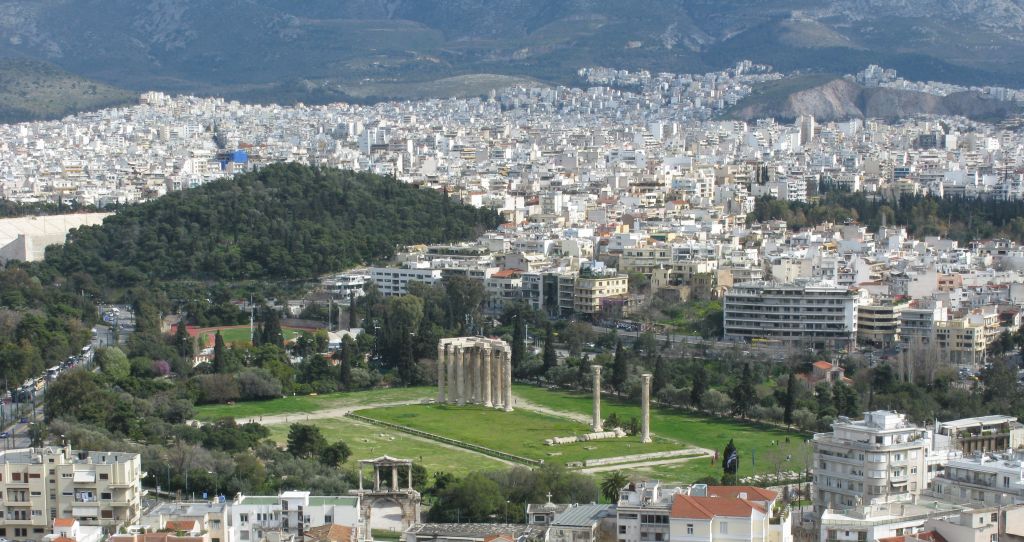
(817,314)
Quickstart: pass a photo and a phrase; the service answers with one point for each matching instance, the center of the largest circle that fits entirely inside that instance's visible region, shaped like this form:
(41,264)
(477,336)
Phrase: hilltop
(284,221)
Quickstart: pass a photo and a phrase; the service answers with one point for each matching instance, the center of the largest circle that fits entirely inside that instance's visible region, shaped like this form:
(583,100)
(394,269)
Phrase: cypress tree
(620,368)
(550,357)
(787,413)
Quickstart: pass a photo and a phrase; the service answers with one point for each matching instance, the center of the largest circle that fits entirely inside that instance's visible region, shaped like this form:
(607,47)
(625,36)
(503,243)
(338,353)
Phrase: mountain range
(364,50)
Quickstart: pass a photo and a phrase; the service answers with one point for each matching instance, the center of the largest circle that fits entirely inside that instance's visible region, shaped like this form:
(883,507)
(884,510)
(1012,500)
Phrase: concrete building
(878,459)
(290,513)
(580,523)
(592,292)
(39,485)
(395,280)
(819,314)
(990,479)
(995,433)
(878,323)
(210,518)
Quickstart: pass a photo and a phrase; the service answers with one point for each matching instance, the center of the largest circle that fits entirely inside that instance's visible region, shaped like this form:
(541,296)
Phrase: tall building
(881,458)
(819,314)
(39,485)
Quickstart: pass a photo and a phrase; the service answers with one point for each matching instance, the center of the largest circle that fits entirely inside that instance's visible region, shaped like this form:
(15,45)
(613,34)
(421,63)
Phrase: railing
(466,445)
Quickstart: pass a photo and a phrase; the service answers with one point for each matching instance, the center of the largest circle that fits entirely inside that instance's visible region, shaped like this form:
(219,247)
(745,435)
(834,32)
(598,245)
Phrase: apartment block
(878,459)
(395,280)
(819,314)
(39,485)
(252,518)
(593,291)
(878,323)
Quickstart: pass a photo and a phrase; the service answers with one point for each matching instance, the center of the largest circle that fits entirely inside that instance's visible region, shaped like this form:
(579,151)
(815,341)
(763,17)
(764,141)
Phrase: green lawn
(521,432)
(691,428)
(311,403)
(241,334)
(368,441)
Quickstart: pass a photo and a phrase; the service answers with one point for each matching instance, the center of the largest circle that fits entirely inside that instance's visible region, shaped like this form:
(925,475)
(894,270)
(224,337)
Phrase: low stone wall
(615,433)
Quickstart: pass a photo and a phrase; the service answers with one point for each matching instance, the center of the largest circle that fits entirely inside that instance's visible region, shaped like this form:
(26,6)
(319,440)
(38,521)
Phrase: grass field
(751,439)
(311,403)
(520,432)
(368,441)
(240,334)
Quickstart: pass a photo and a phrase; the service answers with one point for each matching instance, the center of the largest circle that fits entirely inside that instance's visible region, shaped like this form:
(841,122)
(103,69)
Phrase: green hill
(31,90)
(285,221)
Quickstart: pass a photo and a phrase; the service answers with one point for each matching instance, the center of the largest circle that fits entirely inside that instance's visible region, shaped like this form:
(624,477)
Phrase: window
(37,530)
(106,514)
(328,519)
(20,531)
(723,527)
(689,528)
(105,496)
(622,529)
(995,517)
(244,535)
(16,476)
(33,475)
(244,518)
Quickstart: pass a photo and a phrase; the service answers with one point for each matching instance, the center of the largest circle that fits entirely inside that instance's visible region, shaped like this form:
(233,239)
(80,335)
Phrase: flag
(733,460)
(753,461)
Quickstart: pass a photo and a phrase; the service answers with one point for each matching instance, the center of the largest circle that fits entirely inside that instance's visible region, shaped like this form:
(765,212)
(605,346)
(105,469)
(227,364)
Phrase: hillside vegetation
(32,90)
(283,222)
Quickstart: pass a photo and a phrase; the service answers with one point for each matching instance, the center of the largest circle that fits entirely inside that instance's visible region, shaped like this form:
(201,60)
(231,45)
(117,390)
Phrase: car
(24,420)
(5,434)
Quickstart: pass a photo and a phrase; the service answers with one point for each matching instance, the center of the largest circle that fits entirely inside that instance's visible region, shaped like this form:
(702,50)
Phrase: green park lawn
(520,432)
(241,334)
(693,429)
(368,441)
(310,403)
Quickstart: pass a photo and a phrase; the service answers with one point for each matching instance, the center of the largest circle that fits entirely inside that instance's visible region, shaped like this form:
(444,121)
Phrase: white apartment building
(39,485)
(292,512)
(990,478)
(819,314)
(882,458)
(395,280)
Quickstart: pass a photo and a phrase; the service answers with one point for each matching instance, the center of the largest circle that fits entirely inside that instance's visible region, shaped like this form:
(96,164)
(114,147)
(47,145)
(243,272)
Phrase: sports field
(238,334)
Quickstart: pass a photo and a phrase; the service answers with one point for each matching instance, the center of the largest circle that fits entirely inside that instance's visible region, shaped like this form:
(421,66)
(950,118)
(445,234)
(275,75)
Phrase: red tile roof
(733,492)
(181,525)
(822,365)
(685,506)
(64,522)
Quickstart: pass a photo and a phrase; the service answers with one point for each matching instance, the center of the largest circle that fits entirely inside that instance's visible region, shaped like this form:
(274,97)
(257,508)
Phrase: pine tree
(620,368)
(790,401)
(550,357)
(220,360)
(345,366)
(660,379)
(700,385)
(743,394)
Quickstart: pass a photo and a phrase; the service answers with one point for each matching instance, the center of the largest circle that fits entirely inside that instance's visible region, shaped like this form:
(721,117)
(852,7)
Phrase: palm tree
(611,485)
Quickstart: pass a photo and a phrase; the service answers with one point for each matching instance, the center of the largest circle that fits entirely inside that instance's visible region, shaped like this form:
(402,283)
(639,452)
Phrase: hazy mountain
(319,50)
(33,90)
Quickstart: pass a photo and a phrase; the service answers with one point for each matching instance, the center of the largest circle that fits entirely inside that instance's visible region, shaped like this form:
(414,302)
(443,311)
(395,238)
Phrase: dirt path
(519,402)
(704,454)
(336,412)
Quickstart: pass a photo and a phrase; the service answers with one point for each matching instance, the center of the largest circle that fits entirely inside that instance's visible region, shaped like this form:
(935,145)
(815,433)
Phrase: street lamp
(506,512)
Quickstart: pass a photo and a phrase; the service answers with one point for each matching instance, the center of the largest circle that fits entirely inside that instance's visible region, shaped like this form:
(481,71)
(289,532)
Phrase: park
(459,439)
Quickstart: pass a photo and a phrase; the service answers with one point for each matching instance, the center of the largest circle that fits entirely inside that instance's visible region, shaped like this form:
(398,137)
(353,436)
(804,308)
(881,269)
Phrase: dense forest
(962,219)
(284,221)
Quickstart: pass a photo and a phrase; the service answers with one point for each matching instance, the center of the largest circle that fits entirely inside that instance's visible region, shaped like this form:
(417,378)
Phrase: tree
(700,386)
(402,315)
(182,340)
(334,455)
(352,314)
(620,368)
(660,379)
(272,333)
(518,346)
(114,363)
(346,357)
(550,357)
(474,498)
(220,354)
(305,441)
(743,394)
(790,401)
(715,402)
(730,459)
(611,484)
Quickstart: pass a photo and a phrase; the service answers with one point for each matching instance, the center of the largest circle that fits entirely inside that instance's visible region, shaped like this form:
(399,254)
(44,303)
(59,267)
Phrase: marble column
(486,378)
(460,377)
(452,386)
(474,368)
(596,424)
(394,478)
(441,372)
(496,380)
(507,392)
(645,408)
